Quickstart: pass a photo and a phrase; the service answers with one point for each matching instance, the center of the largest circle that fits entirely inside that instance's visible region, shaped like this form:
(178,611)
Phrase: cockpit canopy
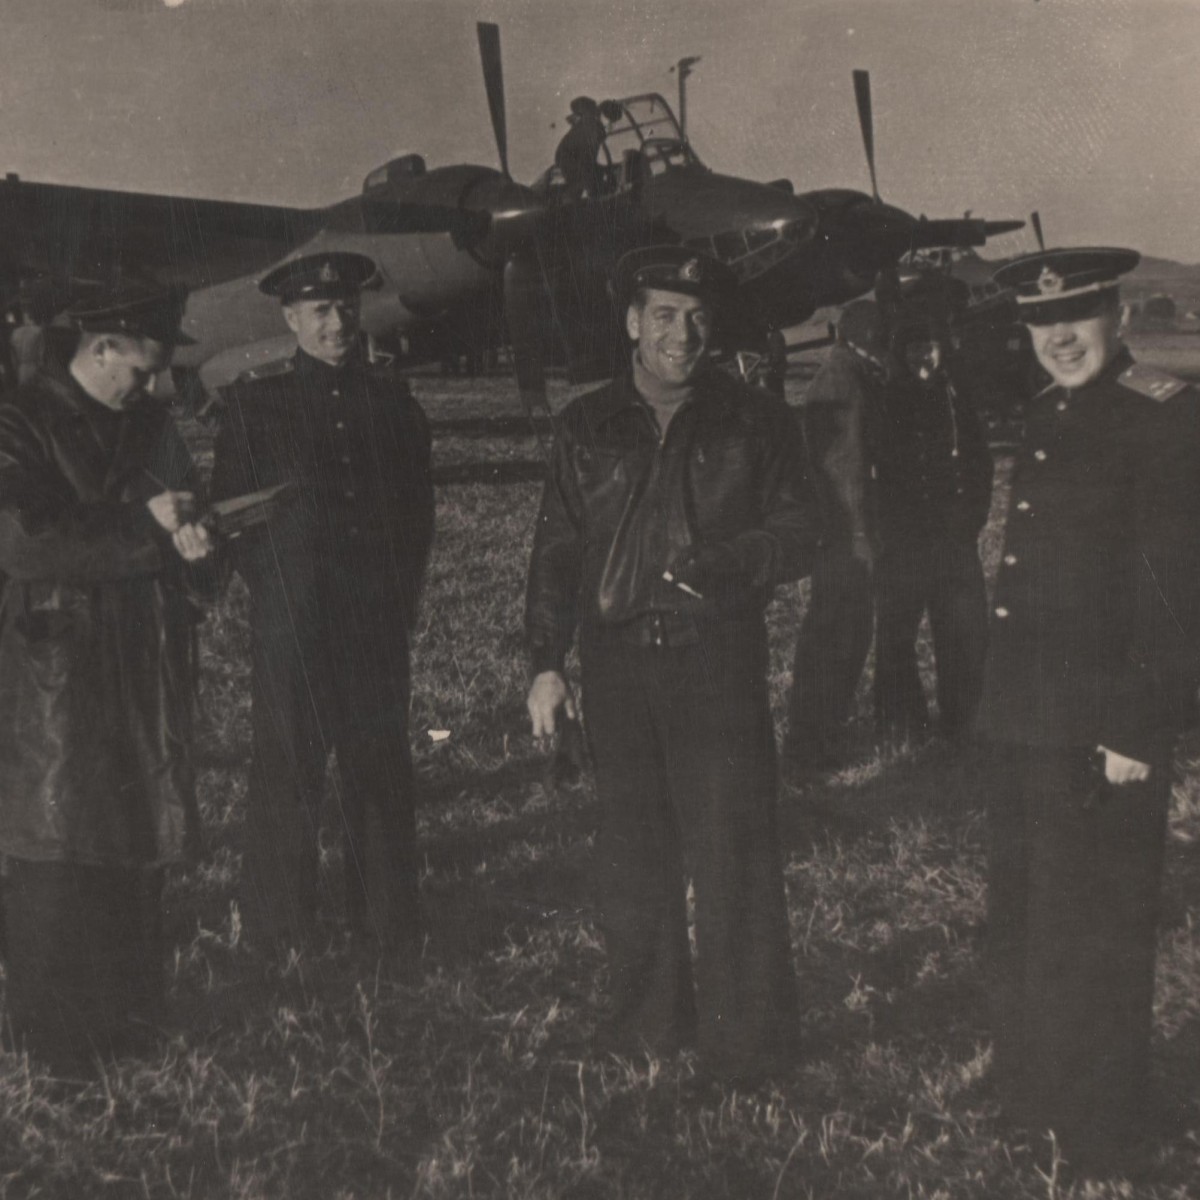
(648,125)
(642,142)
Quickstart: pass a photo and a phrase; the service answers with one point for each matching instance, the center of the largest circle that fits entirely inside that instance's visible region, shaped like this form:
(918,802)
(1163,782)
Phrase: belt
(653,629)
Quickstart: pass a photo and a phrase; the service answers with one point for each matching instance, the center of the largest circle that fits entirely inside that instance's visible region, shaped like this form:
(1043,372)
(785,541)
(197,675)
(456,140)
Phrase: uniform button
(353,531)
(341,425)
(1010,560)
(1040,455)
(1022,506)
(349,495)
(346,459)
(335,392)
(1061,406)
(1002,613)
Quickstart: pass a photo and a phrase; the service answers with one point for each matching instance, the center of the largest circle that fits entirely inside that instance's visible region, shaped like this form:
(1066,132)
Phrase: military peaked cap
(332,275)
(1065,284)
(137,307)
(673,269)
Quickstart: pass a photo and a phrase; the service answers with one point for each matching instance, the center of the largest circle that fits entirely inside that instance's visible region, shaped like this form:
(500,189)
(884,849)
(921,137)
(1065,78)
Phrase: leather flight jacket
(623,505)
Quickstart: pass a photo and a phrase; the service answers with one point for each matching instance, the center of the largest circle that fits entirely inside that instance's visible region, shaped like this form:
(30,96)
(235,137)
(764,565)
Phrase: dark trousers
(831,650)
(685,770)
(84,960)
(941,575)
(1074,875)
(342,697)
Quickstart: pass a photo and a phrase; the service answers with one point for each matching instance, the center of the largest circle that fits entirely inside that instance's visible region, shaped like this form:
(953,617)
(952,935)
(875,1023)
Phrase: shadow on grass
(485,427)
(490,472)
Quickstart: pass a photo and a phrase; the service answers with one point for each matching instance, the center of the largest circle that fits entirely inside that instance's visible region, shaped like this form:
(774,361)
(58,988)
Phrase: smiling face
(325,329)
(1076,352)
(672,331)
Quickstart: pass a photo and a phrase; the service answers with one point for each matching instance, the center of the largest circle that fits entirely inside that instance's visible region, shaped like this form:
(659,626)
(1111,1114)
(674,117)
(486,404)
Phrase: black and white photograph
(599,600)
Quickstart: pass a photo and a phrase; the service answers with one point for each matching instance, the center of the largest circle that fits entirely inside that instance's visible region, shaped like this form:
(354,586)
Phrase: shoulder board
(271,370)
(1151,382)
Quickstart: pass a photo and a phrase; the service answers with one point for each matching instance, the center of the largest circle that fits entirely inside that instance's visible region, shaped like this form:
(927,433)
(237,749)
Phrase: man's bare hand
(547,694)
(192,542)
(1118,769)
(172,509)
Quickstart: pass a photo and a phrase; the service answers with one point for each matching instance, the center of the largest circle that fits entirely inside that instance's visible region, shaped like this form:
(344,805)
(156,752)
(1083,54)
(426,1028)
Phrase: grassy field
(324,1078)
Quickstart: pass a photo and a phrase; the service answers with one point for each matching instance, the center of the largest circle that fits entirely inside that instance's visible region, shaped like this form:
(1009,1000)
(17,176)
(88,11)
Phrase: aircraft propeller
(520,228)
(894,226)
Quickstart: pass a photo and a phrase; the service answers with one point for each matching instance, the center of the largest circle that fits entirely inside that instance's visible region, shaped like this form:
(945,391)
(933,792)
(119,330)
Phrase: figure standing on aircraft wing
(576,154)
(334,583)
(1092,672)
(839,418)
(97,494)
(677,499)
(934,492)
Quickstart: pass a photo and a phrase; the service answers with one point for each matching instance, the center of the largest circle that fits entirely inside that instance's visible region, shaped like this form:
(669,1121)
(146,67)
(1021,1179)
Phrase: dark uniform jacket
(621,507)
(352,544)
(95,632)
(933,463)
(1094,623)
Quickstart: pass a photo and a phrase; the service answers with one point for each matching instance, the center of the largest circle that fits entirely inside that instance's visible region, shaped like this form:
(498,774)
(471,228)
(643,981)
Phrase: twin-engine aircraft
(456,246)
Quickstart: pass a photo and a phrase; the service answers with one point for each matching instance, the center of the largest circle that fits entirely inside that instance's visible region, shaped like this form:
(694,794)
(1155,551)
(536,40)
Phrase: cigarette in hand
(683,587)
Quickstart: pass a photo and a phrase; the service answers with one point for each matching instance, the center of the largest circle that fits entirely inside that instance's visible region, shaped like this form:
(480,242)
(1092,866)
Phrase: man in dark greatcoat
(1092,671)
(96,680)
(334,582)
(934,489)
(676,501)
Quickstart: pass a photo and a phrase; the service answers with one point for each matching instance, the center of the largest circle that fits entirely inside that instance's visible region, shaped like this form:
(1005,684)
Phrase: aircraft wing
(66,233)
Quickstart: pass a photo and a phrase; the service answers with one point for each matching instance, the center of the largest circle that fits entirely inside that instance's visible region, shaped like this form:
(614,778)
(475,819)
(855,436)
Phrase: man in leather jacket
(677,499)
(97,788)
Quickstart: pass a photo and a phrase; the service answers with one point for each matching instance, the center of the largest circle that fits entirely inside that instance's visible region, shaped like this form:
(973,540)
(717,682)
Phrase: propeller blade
(522,292)
(493,82)
(1035,219)
(862,97)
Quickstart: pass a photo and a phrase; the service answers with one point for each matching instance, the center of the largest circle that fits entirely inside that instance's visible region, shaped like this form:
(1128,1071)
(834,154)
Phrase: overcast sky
(1088,110)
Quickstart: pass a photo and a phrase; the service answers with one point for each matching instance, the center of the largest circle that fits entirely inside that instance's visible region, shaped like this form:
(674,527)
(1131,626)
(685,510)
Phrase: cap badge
(690,271)
(1050,282)
(327,273)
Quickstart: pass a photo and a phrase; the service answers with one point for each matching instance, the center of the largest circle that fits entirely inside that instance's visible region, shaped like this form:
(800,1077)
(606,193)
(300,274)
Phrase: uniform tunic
(1093,643)
(334,581)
